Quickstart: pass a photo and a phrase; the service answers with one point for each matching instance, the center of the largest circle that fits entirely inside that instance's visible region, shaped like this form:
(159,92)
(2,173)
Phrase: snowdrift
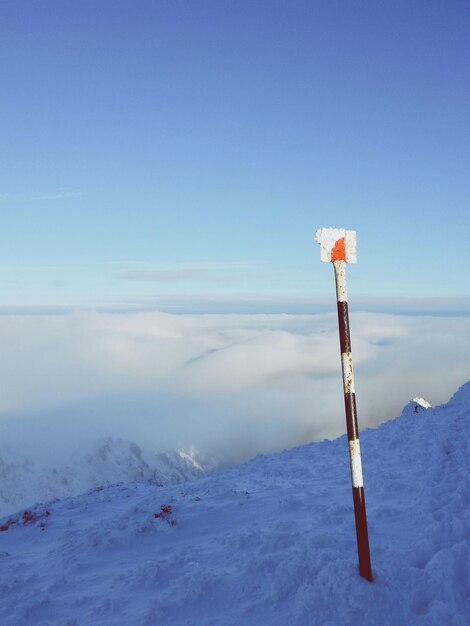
(268,543)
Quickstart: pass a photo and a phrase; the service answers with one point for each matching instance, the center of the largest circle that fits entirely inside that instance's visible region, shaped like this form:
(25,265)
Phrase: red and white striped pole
(338,246)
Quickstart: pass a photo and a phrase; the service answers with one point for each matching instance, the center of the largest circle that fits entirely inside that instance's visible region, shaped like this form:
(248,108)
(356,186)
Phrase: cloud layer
(235,384)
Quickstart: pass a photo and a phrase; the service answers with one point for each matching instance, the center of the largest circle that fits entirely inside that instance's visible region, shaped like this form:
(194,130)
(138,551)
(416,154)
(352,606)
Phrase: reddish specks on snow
(28,517)
(338,251)
(165,514)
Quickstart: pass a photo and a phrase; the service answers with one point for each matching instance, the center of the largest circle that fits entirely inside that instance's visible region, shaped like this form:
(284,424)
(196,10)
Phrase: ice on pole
(338,246)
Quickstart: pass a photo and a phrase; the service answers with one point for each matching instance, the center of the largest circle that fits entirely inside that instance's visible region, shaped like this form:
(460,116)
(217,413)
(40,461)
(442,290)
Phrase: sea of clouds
(233,385)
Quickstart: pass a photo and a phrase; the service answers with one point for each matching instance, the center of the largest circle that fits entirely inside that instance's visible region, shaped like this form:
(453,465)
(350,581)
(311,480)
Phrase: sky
(179,156)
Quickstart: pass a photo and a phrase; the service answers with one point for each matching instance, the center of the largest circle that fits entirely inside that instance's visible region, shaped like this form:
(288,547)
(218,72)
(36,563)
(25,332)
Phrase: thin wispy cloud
(38,197)
(165,276)
(200,272)
(26,269)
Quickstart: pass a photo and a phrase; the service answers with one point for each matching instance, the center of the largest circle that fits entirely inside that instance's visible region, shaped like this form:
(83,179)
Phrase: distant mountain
(24,481)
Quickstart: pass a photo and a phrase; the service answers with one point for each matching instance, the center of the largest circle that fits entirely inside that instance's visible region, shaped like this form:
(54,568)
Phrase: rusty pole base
(362,536)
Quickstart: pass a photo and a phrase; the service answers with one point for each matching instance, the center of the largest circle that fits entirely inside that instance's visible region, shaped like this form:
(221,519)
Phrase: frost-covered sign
(337,244)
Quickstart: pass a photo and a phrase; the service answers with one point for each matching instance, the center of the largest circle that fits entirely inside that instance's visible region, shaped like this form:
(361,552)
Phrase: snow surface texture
(24,481)
(270,542)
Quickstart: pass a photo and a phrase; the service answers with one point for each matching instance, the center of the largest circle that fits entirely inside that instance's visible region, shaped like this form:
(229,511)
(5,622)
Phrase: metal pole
(362,535)
(339,247)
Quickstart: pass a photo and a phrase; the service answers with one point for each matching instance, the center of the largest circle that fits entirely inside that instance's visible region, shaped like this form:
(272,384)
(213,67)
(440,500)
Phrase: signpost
(338,246)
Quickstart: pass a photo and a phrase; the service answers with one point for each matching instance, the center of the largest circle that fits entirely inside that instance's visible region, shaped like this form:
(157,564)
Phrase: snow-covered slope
(24,480)
(268,543)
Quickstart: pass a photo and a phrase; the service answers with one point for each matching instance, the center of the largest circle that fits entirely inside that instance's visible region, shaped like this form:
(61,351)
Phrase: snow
(270,542)
(423,403)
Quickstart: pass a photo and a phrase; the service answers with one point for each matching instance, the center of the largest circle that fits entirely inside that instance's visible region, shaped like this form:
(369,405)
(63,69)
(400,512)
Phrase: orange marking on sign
(338,251)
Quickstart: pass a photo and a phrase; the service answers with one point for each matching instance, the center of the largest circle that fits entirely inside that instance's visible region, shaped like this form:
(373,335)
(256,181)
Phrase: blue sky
(181,155)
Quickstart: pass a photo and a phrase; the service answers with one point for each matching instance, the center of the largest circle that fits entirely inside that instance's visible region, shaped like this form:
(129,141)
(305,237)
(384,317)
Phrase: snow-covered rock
(417,405)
